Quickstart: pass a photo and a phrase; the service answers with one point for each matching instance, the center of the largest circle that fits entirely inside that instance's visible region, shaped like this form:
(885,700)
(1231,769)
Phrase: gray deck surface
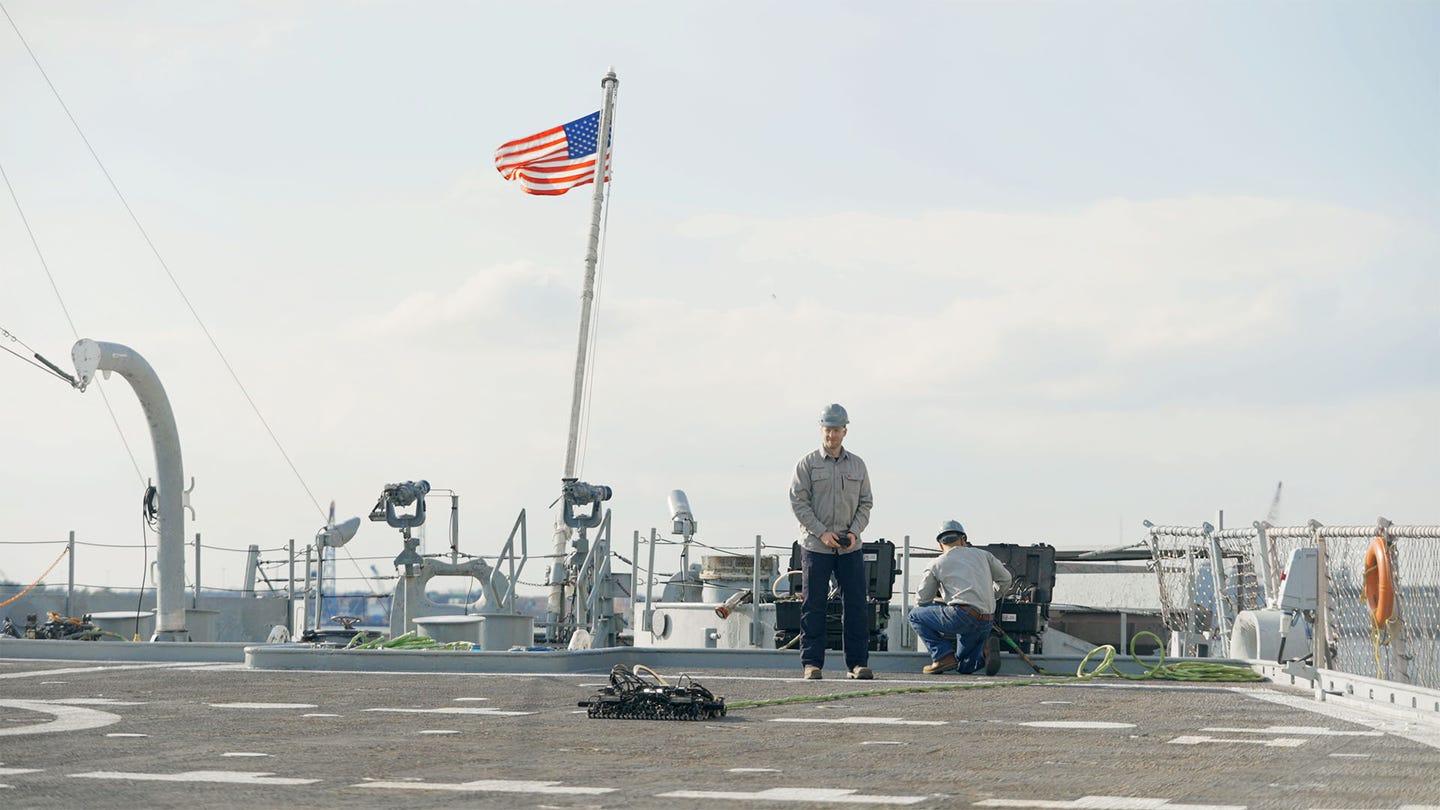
(82,734)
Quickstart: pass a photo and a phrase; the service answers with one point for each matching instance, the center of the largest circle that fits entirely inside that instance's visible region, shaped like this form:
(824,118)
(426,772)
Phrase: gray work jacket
(830,494)
(964,575)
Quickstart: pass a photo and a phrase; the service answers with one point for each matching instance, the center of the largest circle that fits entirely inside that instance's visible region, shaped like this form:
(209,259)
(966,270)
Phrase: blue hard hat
(834,416)
(950,527)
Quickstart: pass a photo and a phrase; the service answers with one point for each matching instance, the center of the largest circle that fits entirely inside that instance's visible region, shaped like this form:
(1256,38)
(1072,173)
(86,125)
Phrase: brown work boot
(812,673)
(861,673)
(943,665)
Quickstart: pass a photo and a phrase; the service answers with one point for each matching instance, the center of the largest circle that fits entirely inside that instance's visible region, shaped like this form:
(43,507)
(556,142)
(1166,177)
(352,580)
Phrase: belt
(984,617)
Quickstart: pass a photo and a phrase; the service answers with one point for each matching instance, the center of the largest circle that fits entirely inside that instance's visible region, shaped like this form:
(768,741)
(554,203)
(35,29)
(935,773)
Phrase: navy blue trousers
(849,571)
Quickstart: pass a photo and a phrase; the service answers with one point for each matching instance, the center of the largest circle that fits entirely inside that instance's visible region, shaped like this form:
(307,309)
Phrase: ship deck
(184,734)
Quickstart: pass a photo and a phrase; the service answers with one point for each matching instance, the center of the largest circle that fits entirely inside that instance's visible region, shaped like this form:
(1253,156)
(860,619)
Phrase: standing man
(962,582)
(830,496)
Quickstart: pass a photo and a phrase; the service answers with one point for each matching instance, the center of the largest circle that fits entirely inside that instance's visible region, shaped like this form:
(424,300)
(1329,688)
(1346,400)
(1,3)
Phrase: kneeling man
(956,604)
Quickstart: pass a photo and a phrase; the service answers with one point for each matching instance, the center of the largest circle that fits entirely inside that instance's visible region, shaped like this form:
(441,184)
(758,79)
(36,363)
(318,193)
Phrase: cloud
(1063,299)
(502,295)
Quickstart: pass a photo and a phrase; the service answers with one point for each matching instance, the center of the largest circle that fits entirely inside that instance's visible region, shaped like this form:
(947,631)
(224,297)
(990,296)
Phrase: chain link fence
(1364,631)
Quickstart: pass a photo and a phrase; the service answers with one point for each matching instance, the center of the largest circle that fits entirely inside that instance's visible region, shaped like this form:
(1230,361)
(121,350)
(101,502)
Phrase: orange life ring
(1379,582)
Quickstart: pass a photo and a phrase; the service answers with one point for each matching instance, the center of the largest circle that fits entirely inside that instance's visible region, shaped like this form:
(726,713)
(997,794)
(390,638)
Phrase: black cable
(148,517)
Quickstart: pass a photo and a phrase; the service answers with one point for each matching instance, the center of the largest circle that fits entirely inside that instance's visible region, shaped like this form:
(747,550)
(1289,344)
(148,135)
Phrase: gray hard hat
(834,416)
(950,527)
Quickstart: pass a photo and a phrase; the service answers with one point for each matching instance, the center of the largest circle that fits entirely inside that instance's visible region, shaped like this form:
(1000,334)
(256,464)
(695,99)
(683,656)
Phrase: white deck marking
(223,777)
(1317,731)
(860,721)
(124,734)
(67,718)
(883,742)
(1356,756)
(1056,702)
(1278,742)
(1408,725)
(796,794)
(243,754)
(53,683)
(17,771)
(1107,803)
(487,711)
(438,731)
(460,700)
(98,702)
(319,715)
(491,786)
(76,670)
(1076,724)
(243,705)
(732,770)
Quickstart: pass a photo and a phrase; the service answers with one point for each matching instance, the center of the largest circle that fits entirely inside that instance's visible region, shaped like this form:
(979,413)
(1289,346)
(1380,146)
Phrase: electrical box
(1019,617)
(1033,568)
(879,560)
(787,624)
(879,557)
(1300,580)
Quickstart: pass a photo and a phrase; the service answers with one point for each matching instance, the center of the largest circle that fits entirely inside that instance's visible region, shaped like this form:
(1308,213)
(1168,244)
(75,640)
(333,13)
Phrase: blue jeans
(849,570)
(943,628)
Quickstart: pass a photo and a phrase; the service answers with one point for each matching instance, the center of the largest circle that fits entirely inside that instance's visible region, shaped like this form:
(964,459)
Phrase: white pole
(592,254)
(91,356)
(555,604)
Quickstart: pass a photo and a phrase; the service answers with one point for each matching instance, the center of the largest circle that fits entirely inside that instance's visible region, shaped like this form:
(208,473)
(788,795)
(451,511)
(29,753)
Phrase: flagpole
(587,294)
(555,605)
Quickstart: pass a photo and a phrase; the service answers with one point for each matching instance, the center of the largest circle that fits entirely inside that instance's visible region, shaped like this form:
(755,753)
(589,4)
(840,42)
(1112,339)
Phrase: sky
(1069,266)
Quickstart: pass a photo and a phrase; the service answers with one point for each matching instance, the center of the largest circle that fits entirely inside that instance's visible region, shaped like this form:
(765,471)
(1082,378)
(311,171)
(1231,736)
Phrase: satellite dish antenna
(336,535)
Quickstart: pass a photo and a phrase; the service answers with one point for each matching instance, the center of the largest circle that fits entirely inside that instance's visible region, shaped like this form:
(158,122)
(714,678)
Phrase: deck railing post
(1272,584)
(1217,578)
(195,595)
(70,583)
(907,634)
(1322,618)
(290,595)
(649,587)
(755,596)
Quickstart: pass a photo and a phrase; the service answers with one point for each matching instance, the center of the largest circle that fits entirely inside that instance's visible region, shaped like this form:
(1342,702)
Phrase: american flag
(553,161)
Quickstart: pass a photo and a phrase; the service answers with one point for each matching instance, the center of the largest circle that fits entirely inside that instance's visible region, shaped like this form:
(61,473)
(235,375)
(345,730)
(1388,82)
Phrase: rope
(7,602)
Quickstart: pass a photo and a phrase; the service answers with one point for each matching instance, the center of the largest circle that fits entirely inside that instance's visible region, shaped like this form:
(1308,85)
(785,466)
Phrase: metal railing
(1349,636)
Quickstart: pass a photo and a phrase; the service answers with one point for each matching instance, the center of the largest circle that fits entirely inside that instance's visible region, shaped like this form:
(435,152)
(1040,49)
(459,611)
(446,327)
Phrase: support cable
(166,267)
(46,265)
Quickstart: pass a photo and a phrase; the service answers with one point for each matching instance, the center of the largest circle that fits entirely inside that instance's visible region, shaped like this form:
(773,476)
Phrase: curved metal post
(91,356)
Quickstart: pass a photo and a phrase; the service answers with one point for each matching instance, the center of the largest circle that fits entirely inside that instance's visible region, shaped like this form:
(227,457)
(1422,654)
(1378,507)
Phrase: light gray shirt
(830,495)
(964,575)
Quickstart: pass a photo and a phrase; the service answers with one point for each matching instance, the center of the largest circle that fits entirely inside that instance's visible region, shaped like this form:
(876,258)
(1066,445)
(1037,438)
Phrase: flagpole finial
(609,77)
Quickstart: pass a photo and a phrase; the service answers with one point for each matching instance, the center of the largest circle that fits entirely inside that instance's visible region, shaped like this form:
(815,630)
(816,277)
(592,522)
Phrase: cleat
(812,673)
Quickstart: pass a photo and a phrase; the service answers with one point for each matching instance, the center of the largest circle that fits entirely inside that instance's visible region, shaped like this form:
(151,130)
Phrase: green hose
(1160,671)
(406,641)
